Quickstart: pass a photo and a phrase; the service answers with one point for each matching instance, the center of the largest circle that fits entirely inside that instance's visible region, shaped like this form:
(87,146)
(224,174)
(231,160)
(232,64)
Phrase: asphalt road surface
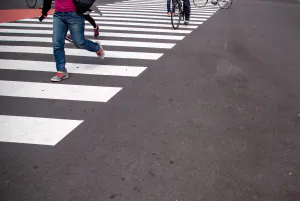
(208,112)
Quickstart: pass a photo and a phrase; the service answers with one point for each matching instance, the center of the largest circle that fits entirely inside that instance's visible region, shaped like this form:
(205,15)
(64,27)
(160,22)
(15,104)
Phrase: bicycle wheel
(224,4)
(176,13)
(31,3)
(200,3)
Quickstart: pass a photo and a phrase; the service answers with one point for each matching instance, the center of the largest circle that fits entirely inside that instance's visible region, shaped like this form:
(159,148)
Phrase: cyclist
(186,8)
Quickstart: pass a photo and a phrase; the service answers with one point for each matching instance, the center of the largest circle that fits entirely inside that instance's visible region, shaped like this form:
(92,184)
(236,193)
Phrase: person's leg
(93,23)
(58,40)
(76,27)
(187,10)
(90,20)
(168,7)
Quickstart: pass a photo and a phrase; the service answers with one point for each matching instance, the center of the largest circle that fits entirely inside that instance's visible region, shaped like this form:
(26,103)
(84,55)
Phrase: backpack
(83,5)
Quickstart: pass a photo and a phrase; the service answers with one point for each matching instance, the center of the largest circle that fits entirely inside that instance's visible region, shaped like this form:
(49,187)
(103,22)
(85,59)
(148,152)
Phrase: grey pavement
(215,118)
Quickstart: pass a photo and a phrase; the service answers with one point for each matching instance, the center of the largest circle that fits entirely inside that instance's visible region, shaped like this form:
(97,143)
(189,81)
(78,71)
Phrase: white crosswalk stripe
(120,23)
(148,14)
(90,69)
(53,91)
(134,33)
(104,34)
(103,42)
(34,130)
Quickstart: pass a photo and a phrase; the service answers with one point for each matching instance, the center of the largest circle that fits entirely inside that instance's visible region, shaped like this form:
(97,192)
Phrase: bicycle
(31,3)
(202,3)
(177,5)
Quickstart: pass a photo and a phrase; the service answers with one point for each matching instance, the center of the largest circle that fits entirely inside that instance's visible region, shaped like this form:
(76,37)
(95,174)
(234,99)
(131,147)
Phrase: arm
(46,6)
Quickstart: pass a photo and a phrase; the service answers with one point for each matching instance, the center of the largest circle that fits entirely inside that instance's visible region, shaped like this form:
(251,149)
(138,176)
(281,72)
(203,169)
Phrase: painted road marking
(129,17)
(79,52)
(156,7)
(103,42)
(35,130)
(150,14)
(15,24)
(88,69)
(147,11)
(57,91)
(107,34)
(120,23)
(139,16)
(112,21)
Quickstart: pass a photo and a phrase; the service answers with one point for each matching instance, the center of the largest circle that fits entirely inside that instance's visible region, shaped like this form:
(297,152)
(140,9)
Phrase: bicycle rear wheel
(224,4)
(200,3)
(31,3)
(176,13)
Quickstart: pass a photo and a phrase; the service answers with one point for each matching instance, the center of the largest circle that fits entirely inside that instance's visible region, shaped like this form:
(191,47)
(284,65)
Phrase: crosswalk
(134,33)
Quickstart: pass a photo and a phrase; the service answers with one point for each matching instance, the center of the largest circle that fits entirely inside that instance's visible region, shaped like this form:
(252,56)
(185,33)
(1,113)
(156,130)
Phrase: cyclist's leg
(168,6)
(187,9)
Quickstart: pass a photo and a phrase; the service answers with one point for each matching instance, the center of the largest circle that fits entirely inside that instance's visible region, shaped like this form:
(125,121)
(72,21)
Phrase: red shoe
(101,52)
(96,31)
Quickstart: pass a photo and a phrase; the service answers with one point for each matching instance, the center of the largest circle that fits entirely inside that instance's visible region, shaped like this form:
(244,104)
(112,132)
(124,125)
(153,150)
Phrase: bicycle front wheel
(31,3)
(176,13)
(224,4)
(200,3)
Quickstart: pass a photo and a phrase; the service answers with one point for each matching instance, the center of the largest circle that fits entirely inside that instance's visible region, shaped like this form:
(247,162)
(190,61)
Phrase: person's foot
(96,31)
(59,76)
(169,14)
(187,20)
(101,52)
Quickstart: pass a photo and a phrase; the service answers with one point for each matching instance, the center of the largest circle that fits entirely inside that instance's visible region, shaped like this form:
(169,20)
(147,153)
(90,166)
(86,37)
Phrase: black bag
(83,5)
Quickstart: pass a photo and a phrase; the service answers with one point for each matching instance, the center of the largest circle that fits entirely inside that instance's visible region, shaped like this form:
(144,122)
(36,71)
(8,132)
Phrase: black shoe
(187,20)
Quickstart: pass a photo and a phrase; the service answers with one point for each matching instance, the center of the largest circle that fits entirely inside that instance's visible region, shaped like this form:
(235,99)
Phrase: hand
(42,17)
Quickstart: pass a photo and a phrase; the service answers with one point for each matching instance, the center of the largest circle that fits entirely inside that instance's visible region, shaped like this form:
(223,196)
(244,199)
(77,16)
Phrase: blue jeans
(62,21)
(168,6)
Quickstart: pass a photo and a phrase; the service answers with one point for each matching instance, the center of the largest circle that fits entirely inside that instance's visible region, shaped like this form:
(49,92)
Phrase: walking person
(66,18)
